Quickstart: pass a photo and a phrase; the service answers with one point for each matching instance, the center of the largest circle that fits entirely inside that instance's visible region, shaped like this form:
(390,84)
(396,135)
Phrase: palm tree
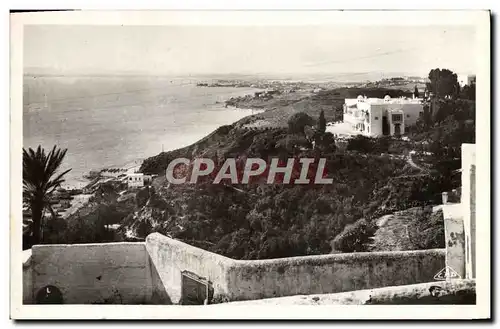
(38,184)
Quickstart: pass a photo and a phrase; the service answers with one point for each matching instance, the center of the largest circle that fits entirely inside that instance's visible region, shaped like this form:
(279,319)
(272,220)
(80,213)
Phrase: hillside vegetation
(371,178)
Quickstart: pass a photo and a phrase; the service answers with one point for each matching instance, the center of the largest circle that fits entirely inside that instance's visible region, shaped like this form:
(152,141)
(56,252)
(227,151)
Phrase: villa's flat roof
(352,101)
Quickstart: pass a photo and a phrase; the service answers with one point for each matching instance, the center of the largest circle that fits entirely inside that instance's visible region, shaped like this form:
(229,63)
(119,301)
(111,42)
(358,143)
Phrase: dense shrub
(298,121)
(428,228)
(142,197)
(325,142)
(354,237)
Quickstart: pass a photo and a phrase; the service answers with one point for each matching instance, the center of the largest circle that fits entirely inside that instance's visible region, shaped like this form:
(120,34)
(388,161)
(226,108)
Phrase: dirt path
(78,202)
(413,164)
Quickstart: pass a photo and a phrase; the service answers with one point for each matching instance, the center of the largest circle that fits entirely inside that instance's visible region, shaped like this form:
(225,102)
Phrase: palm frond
(38,170)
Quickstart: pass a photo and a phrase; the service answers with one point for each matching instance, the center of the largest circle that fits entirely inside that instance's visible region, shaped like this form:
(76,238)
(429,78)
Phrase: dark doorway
(195,290)
(397,129)
(385,126)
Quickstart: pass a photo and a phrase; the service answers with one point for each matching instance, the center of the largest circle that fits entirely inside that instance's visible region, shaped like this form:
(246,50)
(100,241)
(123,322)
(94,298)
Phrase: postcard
(250,165)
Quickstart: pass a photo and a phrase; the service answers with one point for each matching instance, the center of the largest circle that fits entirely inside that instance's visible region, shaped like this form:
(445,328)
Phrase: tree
(322,122)
(443,83)
(39,184)
(468,92)
(415,92)
(298,121)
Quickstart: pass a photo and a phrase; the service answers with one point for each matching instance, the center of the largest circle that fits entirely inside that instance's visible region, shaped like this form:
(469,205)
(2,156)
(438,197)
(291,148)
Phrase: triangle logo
(447,273)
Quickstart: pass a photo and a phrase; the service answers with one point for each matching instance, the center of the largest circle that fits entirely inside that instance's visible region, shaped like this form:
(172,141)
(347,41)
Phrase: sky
(273,50)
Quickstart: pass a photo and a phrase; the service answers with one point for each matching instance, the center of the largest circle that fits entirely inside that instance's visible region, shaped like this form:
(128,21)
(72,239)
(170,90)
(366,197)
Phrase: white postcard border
(480,19)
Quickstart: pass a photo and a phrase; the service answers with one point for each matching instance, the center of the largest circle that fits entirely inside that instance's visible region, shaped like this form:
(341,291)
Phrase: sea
(117,122)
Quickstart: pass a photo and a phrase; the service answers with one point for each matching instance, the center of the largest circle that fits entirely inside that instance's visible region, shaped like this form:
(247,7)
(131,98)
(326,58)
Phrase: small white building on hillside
(138,179)
(466,79)
(379,117)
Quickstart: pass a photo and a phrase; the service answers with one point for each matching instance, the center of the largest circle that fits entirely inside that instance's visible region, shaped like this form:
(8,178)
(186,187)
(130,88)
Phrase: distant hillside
(281,108)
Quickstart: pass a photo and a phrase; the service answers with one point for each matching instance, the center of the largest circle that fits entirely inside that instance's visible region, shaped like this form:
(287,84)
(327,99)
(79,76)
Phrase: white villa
(378,117)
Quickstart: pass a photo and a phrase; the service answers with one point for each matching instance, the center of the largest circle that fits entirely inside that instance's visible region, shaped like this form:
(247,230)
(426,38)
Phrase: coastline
(134,165)
(85,190)
(253,110)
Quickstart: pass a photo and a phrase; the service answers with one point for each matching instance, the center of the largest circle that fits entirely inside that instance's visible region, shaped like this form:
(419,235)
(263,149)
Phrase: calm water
(112,122)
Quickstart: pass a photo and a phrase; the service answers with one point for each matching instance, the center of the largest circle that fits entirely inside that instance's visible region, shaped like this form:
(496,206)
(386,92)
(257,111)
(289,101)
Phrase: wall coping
(167,240)
(344,257)
(73,245)
(341,257)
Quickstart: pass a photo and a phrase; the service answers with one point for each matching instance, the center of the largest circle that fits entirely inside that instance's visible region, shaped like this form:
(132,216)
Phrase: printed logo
(447,273)
(248,170)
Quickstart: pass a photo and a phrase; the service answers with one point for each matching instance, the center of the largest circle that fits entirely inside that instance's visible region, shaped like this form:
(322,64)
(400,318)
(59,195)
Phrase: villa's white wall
(411,113)
(376,128)
(380,108)
(94,273)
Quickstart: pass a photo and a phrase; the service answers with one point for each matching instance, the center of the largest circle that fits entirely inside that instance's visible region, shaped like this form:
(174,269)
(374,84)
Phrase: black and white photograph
(201,161)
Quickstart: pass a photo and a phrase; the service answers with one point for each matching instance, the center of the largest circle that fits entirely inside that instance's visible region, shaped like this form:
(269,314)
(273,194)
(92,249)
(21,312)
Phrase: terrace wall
(256,279)
(150,272)
(332,273)
(170,257)
(92,273)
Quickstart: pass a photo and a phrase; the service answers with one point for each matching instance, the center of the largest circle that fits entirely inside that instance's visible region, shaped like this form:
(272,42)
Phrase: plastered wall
(93,273)
(254,279)
(170,257)
(332,273)
(150,272)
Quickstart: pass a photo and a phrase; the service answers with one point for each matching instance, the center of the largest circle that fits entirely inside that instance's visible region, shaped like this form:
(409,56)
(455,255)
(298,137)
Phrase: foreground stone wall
(332,273)
(92,273)
(256,279)
(469,206)
(450,292)
(170,257)
(151,272)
